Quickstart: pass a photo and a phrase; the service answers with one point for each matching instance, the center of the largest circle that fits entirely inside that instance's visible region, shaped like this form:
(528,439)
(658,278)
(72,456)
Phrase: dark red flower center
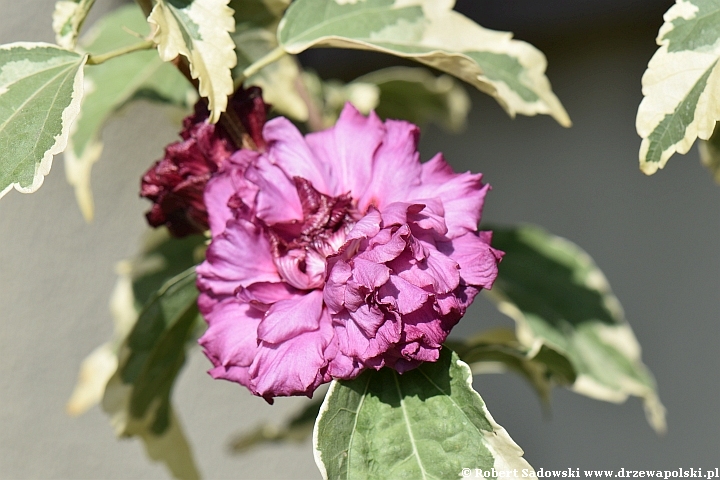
(300,247)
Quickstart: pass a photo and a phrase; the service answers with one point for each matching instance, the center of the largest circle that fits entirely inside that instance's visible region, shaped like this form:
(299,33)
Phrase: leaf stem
(272,56)
(98,59)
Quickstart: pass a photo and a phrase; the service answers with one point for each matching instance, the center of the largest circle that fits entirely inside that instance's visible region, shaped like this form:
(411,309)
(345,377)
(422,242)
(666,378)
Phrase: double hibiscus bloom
(331,253)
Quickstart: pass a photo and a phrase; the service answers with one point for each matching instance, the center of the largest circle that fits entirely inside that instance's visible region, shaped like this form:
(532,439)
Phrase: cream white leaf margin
(559,298)
(430,32)
(343,426)
(200,31)
(40,94)
(682,83)
(112,85)
(67,19)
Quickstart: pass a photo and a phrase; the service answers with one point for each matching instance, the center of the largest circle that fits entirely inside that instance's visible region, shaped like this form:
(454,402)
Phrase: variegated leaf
(682,83)
(110,86)
(161,258)
(40,93)
(499,350)
(200,31)
(561,300)
(430,32)
(427,423)
(67,20)
(137,396)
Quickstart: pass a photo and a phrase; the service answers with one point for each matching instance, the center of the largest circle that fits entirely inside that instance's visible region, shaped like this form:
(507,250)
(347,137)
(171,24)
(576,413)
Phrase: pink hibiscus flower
(337,252)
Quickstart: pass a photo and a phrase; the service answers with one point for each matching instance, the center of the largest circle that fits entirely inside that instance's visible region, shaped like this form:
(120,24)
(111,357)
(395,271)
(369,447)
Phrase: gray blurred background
(656,238)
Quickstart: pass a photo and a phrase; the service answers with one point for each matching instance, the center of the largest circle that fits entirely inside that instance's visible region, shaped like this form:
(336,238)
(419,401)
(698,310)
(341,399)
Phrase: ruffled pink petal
(396,213)
(287,149)
(349,147)
(388,335)
(228,183)
(262,295)
(445,271)
(366,227)
(477,259)
(396,163)
(368,319)
(462,195)
(334,291)
(240,256)
(289,318)
(277,200)
(295,366)
(431,218)
(386,252)
(402,296)
(341,366)
(230,342)
(370,274)
(218,191)
(302,270)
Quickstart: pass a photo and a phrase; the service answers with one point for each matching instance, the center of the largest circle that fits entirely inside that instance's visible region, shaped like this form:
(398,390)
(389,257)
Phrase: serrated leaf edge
(629,346)
(216,88)
(69,115)
(546,103)
(506,453)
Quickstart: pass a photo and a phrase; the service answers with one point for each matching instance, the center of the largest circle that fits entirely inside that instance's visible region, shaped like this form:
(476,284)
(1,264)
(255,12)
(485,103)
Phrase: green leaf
(710,154)
(560,299)
(138,395)
(40,92)
(161,258)
(429,32)
(254,37)
(425,423)
(681,84)
(151,342)
(418,96)
(112,85)
(67,20)
(297,429)
(499,350)
(199,30)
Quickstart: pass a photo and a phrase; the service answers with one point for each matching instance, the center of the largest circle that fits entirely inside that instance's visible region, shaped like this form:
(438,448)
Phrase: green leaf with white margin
(430,32)
(161,258)
(425,423)
(138,395)
(681,84)
(499,351)
(418,96)
(254,37)
(199,30)
(710,154)
(67,20)
(560,299)
(40,93)
(112,85)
